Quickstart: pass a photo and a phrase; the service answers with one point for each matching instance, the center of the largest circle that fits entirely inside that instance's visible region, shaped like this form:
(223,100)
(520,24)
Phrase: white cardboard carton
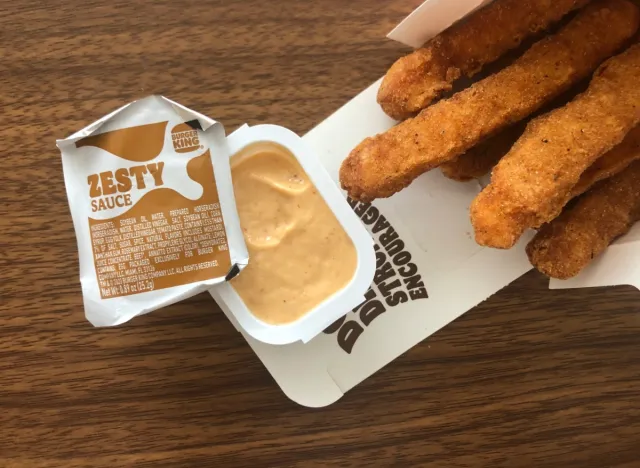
(431,221)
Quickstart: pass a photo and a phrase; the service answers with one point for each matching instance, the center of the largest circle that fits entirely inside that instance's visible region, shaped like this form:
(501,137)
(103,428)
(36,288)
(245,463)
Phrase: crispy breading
(611,163)
(563,247)
(415,80)
(532,183)
(480,159)
(385,164)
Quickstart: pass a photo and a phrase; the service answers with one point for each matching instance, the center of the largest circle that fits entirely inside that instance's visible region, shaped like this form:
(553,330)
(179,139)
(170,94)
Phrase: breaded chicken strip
(611,163)
(532,183)
(383,165)
(562,248)
(414,81)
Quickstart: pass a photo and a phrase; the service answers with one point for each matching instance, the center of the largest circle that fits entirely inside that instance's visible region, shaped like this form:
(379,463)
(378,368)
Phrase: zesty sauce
(299,254)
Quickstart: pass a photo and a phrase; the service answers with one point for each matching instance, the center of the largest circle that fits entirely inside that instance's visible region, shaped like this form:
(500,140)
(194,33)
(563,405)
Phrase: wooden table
(530,378)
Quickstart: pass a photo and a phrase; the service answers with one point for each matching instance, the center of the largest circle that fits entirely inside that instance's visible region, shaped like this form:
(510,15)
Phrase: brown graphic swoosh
(138,144)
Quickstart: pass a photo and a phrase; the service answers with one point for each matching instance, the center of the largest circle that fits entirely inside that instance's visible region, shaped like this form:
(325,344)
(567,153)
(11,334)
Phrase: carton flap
(431,18)
(404,327)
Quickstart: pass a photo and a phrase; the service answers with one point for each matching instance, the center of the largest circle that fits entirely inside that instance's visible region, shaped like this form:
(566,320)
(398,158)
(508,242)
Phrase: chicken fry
(383,165)
(535,180)
(562,248)
(608,165)
(414,81)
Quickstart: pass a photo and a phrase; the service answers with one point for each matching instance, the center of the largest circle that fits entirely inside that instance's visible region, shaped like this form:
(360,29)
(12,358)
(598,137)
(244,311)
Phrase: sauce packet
(151,197)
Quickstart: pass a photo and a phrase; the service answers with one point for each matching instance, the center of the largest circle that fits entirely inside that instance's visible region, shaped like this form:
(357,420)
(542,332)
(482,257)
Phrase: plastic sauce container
(310,259)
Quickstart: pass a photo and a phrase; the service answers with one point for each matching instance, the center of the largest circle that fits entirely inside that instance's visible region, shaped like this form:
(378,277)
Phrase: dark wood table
(531,378)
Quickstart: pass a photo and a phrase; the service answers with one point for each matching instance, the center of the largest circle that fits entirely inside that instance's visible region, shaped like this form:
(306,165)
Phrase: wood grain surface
(531,378)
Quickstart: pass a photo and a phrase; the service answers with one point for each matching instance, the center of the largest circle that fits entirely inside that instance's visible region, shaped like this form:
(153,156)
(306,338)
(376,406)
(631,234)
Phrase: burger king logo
(185,138)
